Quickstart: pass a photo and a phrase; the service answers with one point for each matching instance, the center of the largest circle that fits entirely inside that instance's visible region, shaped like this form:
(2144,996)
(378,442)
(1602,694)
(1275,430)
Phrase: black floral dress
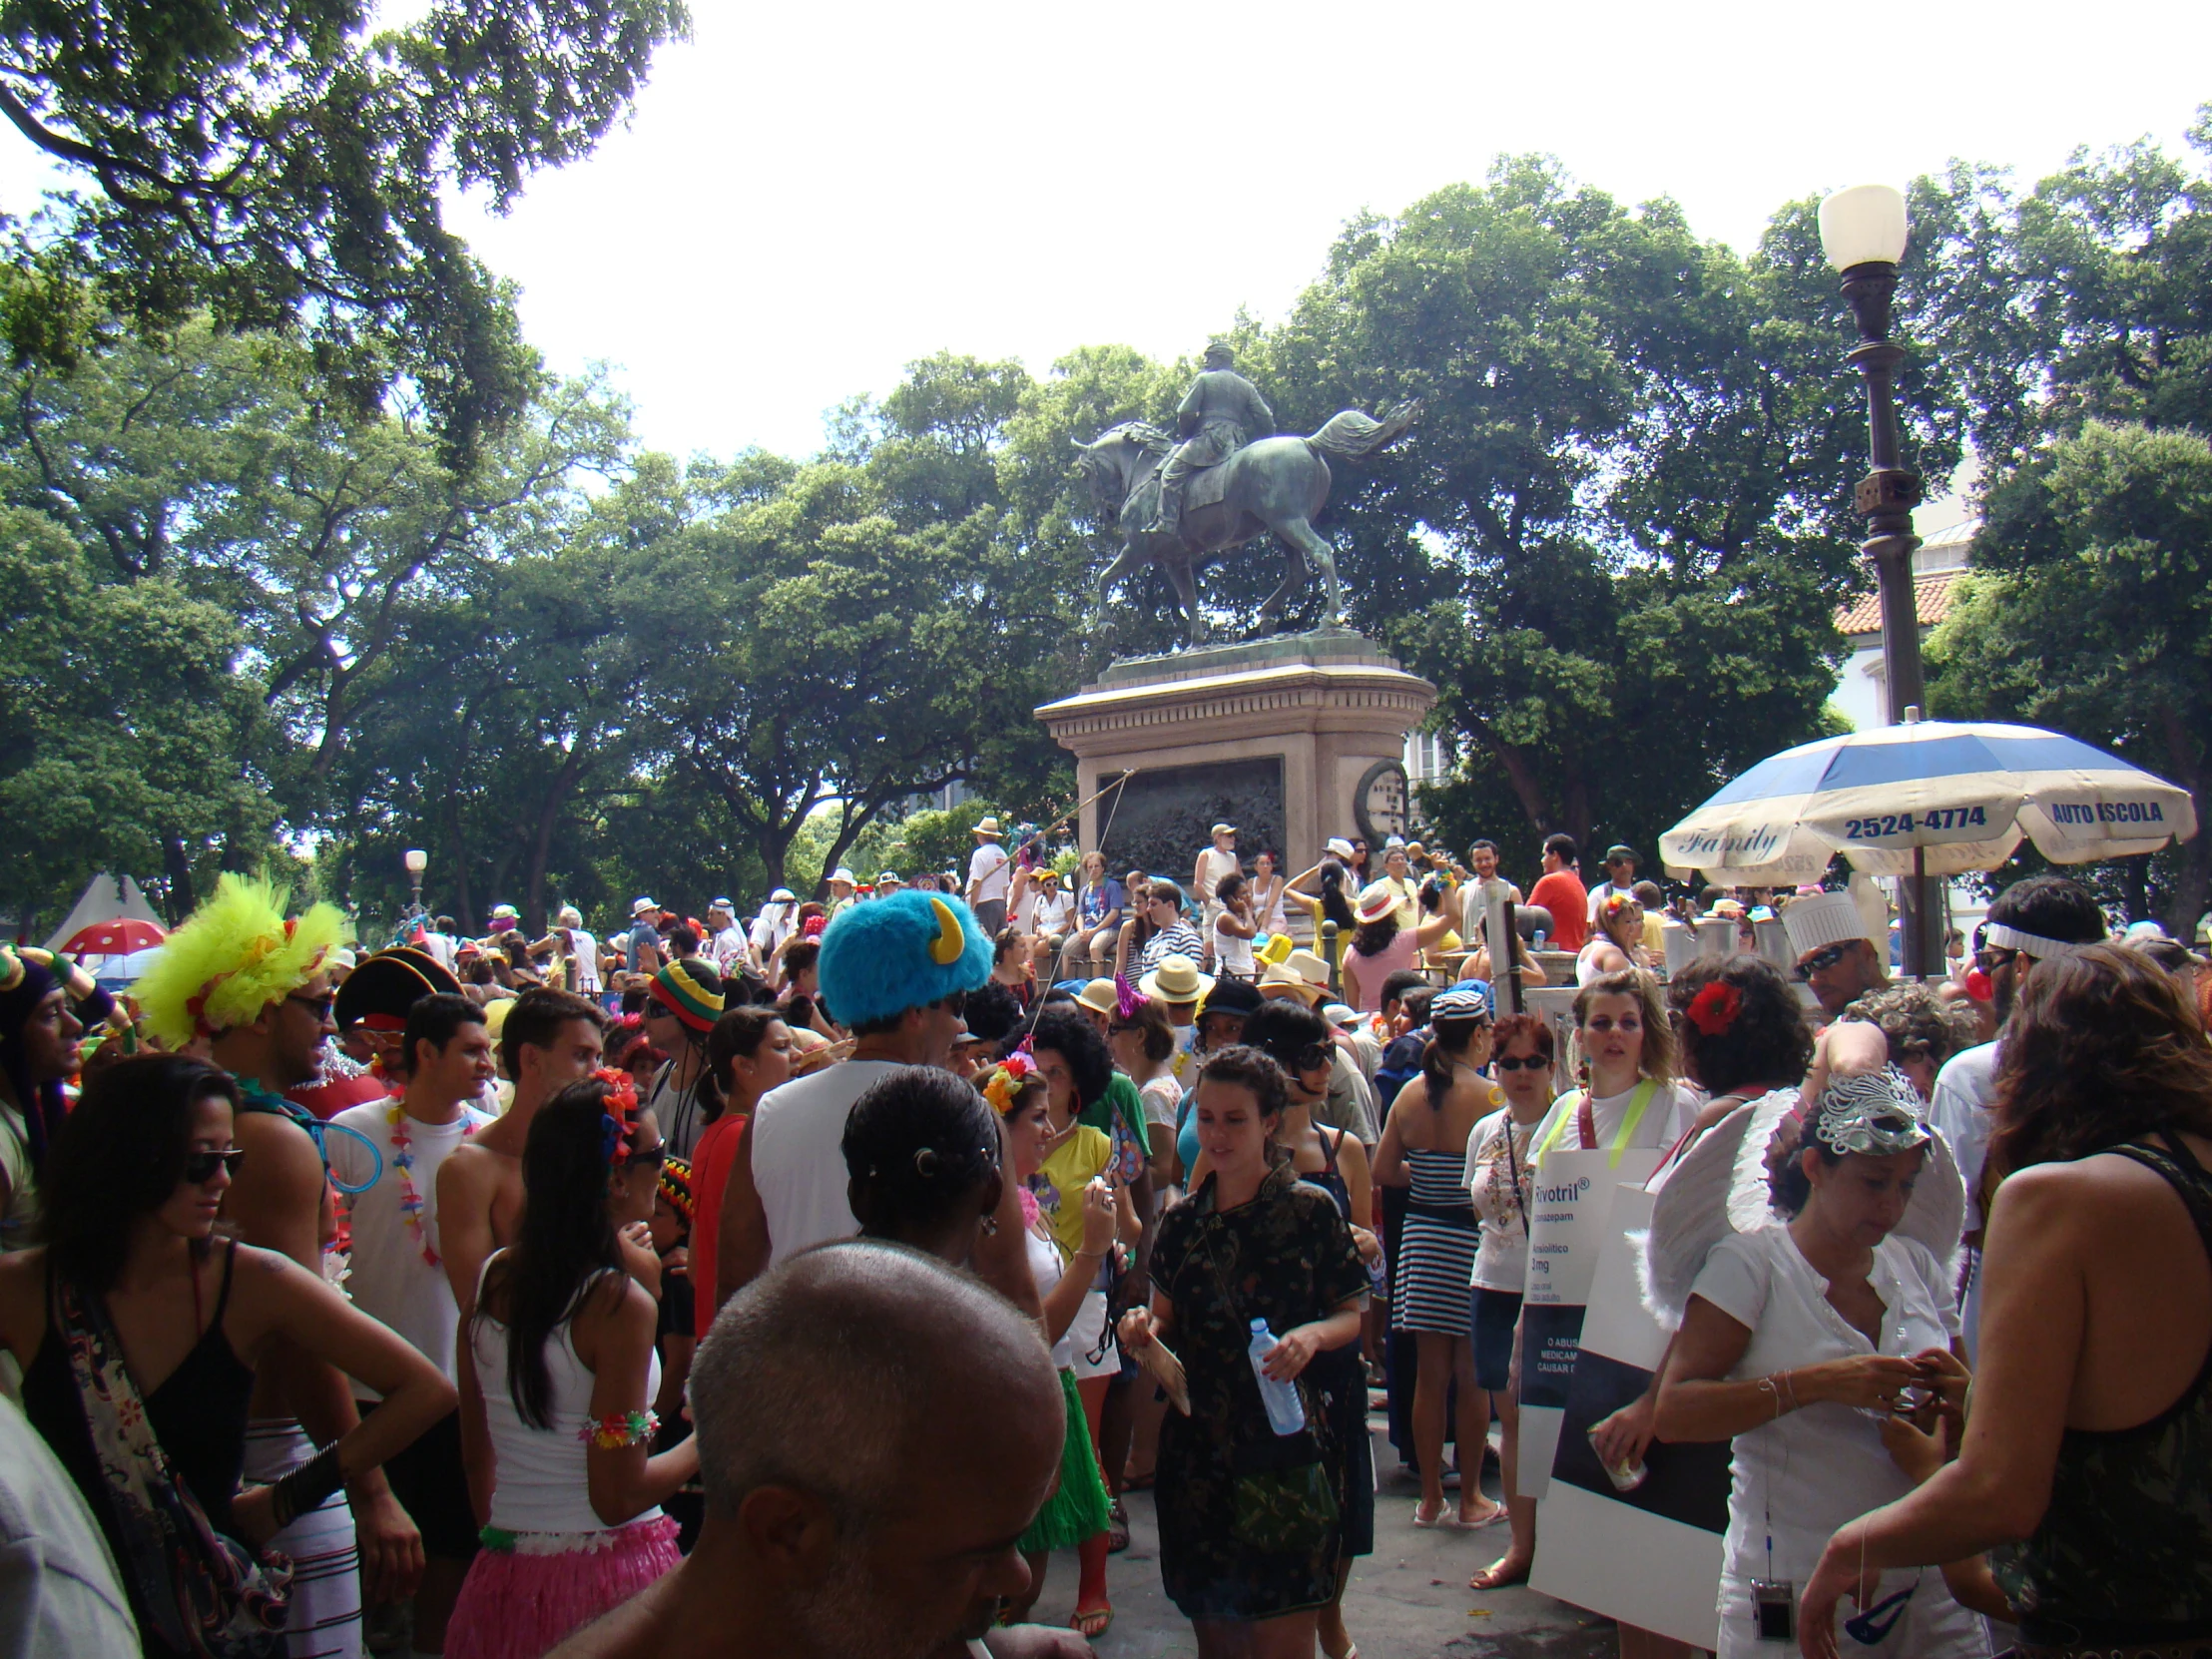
(1288,1257)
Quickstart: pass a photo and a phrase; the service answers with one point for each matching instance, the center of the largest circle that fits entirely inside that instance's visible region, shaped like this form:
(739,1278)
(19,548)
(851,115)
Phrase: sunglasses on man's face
(1514,1062)
(320,1007)
(1822,961)
(199,1167)
(1990,958)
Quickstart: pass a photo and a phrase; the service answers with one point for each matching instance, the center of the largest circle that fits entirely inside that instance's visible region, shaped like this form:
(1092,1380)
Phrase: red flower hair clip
(1714,1009)
(619,1119)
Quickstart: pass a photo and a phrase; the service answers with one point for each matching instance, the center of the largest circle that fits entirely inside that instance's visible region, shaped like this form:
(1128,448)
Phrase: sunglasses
(1990,958)
(1514,1062)
(1313,1057)
(199,1167)
(321,1005)
(650,1157)
(1822,961)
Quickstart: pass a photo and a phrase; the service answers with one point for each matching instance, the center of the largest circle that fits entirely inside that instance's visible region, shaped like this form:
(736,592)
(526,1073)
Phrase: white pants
(324,1621)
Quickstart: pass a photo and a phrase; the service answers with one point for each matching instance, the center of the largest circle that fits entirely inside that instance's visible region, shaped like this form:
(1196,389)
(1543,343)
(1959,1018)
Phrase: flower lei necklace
(402,1161)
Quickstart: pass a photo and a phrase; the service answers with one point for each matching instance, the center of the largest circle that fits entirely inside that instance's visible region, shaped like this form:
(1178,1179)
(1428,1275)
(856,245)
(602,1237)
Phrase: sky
(809,196)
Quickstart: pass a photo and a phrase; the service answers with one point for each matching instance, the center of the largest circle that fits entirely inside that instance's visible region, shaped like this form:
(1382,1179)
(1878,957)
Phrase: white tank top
(1232,954)
(541,1484)
(1046,1266)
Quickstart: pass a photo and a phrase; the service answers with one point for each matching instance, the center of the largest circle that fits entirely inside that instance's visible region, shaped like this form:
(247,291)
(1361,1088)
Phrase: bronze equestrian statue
(1228,482)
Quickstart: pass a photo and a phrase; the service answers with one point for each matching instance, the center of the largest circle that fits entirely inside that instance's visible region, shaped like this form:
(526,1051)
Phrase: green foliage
(272,165)
(124,732)
(2091,611)
(1616,539)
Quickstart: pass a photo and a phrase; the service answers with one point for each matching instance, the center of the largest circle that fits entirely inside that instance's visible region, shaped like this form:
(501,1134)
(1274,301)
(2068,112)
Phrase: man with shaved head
(876,1431)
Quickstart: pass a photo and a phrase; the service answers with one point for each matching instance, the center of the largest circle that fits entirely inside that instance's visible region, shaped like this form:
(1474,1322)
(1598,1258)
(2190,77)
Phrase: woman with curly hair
(2091,1432)
(1741,1034)
(1921,1029)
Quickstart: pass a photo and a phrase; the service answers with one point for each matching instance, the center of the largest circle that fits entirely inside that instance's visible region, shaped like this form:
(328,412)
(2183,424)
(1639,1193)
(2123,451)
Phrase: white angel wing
(1936,1214)
(1717,1188)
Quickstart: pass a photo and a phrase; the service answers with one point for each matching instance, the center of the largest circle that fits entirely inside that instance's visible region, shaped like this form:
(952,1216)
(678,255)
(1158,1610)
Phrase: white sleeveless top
(541,1484)
(1231,954)
(1046,1266)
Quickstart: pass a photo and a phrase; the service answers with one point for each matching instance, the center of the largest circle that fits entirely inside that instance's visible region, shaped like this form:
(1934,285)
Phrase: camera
(1774,1606)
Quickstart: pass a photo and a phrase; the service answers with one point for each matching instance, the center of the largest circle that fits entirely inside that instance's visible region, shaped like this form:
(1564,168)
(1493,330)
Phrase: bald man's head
(881,1428)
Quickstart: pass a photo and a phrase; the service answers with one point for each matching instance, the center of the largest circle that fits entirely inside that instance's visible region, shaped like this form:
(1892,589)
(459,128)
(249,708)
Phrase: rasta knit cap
(676,1187)
(232,958)
(690,990)
(899,951)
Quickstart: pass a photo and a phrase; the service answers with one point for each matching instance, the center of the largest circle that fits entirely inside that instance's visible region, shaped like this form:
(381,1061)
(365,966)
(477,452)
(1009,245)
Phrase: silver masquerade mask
(1874,1113)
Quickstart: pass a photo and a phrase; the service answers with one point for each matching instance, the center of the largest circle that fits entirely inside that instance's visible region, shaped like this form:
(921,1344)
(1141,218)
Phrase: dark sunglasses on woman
(199,1167)
(1514,1062)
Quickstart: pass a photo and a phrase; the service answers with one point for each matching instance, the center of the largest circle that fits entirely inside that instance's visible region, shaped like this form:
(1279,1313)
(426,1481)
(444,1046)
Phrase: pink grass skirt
(522,1603)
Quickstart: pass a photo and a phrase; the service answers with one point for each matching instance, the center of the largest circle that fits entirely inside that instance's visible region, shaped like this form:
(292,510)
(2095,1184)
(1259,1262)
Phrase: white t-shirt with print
(989,873)
(391,1278)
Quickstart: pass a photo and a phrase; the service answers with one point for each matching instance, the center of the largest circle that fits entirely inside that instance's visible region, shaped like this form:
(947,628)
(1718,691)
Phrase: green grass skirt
(1077,1508)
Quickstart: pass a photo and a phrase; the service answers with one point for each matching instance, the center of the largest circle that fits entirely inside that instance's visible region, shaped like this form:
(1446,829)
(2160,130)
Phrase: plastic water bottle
(1286,1412)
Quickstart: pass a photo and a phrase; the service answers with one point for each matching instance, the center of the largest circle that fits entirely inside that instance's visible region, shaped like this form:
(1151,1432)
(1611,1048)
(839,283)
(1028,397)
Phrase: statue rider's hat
(1217,351)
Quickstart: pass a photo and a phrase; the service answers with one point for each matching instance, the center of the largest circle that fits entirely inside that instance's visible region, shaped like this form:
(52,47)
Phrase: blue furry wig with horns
(885,955)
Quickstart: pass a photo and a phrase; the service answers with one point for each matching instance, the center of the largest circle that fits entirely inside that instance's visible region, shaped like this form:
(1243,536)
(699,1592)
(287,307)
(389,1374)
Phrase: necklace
(402,1161)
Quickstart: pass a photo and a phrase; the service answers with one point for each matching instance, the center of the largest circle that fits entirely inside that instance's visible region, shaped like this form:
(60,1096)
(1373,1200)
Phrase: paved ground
(1408,1600)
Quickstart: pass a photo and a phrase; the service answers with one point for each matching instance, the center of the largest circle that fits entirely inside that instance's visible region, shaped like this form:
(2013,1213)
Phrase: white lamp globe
(1862,225)
(416,861)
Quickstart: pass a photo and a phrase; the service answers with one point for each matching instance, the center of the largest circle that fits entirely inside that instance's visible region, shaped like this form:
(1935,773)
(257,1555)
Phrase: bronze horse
(1271,486)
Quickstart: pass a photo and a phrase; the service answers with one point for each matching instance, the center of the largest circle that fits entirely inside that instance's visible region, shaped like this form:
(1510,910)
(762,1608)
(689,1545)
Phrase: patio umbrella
(1932,796)
(116,936)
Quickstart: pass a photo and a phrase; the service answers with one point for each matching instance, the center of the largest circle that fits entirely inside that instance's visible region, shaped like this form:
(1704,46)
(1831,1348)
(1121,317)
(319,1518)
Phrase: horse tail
(1353,435)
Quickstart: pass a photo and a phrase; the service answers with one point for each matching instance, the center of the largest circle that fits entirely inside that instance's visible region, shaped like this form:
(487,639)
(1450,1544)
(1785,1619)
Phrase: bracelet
(306,1487)
(1790,1387)
(1090,1256)
(619,1429)
(1766,1383)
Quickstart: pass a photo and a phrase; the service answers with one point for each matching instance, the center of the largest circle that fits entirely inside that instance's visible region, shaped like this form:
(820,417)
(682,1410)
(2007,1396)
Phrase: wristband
(306,1487)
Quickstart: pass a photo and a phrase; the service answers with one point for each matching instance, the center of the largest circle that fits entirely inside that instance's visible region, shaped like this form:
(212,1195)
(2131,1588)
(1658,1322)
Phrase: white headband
(2031,944)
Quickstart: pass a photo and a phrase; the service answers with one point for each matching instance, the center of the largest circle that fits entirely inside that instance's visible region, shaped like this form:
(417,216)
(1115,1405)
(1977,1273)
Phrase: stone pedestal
(1294,738)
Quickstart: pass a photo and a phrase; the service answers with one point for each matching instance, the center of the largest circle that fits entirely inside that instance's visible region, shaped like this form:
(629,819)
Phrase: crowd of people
(828,1273)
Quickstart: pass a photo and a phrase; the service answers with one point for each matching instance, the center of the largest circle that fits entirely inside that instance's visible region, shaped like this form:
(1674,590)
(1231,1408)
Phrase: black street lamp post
(1863,232)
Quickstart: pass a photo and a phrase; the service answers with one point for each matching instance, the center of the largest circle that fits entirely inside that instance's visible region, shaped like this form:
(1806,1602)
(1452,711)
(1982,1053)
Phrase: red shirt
(1563,894)
(711,1156)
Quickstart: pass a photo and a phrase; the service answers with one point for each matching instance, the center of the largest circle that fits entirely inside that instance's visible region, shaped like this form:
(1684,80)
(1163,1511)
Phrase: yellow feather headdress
(232,958)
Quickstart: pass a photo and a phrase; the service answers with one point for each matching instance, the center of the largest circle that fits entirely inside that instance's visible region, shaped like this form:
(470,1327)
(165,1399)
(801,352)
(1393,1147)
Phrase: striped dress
(1435,1252)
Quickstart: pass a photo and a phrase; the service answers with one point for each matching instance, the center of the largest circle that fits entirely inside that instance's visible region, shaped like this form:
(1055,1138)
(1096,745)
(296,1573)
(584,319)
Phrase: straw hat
(1301,971)
(1100,997)
(1176,979)
(1376,900)
(986,826)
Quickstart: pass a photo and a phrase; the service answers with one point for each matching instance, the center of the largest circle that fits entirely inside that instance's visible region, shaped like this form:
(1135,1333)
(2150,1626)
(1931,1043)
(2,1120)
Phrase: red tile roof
(1931,591)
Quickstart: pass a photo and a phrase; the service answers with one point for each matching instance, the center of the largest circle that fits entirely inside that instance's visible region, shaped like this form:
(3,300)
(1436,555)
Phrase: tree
(275,165)
(127,741)
(2090,609)
(1617,536)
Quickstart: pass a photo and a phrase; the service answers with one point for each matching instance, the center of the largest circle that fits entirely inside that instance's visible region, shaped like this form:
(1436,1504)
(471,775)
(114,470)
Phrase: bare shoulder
(2088,1196)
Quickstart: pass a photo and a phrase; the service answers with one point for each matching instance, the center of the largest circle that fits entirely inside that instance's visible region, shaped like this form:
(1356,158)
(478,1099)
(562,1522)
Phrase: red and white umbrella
(116,937)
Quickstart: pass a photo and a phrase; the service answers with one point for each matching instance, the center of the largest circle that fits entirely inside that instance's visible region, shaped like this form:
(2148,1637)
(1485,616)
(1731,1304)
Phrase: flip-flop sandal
(1442,1521)
(1085,1614)
(1490,1519)
(1117,1528)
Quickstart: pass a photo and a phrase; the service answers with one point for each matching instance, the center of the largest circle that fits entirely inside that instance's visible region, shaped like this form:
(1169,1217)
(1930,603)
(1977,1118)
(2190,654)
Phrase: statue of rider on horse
(1229,481)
